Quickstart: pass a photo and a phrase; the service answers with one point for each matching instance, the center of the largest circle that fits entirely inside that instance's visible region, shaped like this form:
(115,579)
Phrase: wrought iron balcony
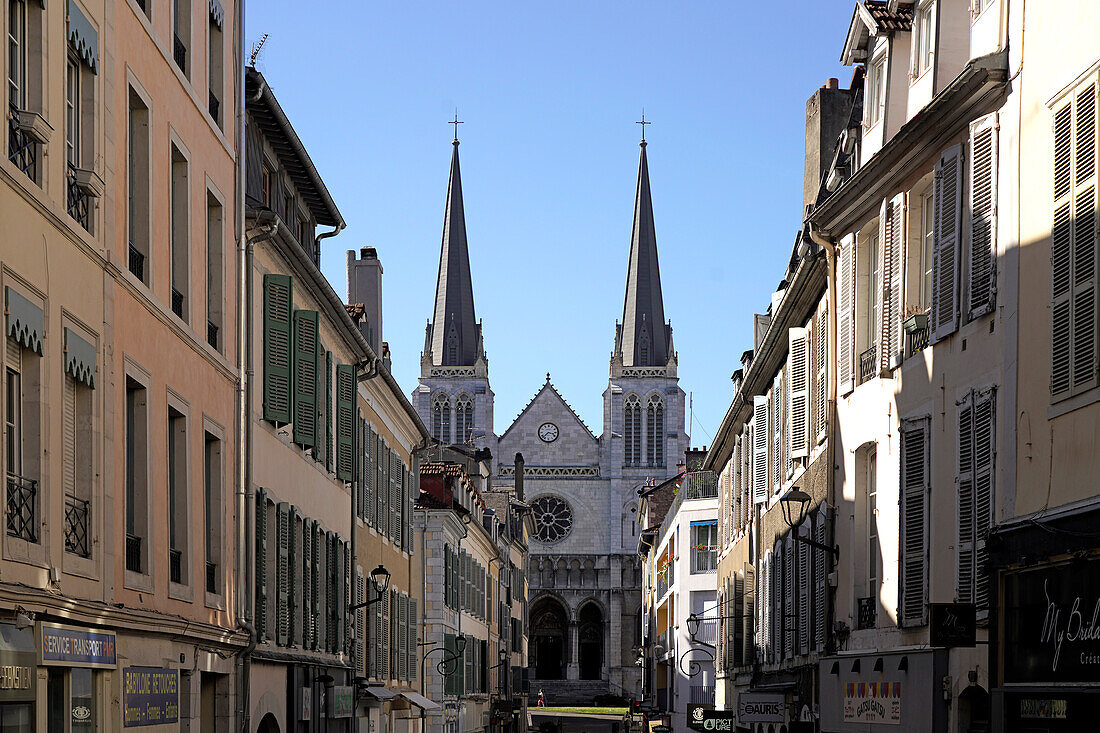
(179,53)
(214,107)
(175,565)
(708,631)
(867,364)
(136,262)
(704,560)
(79,202)
(700,485)
(76,526)
(177,302)
(702,694)
(22,507)
(133,553)
(22,148)
(866,609)
(212,334)
(918,339)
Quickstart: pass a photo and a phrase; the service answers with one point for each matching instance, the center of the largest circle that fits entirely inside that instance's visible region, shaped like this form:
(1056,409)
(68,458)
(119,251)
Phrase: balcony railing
(133,553)
(704,561)
(214,107)
(211,577)
(136,262)
(76,526)
(708,631)
(177,302)
(175,565)
(212,334)
(702,694)
(865,608)
(179,53)
(22,508)
(867,364)
(918,339)
(22,148)
(700,485)
(78,200)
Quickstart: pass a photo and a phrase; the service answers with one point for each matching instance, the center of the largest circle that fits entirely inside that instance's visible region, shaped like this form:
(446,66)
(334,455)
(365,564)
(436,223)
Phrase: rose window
(553,518)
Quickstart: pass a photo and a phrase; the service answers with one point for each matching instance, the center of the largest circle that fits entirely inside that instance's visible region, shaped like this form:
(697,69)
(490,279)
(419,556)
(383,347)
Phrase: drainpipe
(829,246)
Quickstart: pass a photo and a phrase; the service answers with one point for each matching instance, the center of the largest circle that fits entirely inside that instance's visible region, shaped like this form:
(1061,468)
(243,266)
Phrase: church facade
(584,571)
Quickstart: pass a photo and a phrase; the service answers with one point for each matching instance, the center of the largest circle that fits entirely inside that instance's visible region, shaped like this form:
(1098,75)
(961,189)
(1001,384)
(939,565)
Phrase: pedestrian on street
(542,699)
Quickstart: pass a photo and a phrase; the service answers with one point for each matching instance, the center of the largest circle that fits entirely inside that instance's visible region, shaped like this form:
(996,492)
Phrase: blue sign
(150,696)
(62,645)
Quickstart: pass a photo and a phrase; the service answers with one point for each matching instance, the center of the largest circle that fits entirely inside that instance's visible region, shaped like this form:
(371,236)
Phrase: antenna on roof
(256,48)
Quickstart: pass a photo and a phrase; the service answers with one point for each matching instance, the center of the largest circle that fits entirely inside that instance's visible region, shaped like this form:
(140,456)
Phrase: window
(704,547)
(947,228)
(180,233)
(266,185)
(215,268)
(212,509)
(138,189)
(983,216)
(874,552)
(305,398)
(137,470)
(927,242)
(872,301)
(464,419)
(67,691)
(181,33)
(876,90)
(22,412)
(178,497)
(914,510)
(655,438)
(1073,245)
(72,112)
(17,54)
(215,69)
(633,431)
(441,419)
(77,463)
(923,43)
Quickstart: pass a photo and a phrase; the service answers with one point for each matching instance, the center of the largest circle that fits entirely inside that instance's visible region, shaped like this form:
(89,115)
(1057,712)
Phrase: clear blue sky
(549,93)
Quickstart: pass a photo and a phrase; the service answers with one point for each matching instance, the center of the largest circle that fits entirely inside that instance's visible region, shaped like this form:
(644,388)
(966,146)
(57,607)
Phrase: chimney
(827,112)
(365,286)
(519,476)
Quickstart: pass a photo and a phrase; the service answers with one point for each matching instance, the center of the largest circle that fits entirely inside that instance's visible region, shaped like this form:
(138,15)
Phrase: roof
(279,133)
(549,385)
(355,310)
(873,18)
(888,21)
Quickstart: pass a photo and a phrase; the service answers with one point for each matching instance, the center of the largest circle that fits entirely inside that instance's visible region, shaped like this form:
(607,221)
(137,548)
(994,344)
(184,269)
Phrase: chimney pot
(832,83)
(370,253)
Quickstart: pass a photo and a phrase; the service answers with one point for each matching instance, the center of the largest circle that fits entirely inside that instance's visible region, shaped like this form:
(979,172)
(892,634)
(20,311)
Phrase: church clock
(548,432)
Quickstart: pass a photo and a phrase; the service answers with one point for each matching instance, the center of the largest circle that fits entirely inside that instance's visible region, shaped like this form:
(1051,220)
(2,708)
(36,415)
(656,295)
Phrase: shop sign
(760,707)
(307,704)
(872,702)
(69,647)
(1043,709)
(342,703)
(18,659)
(952,624)
(150,696)
(1051,622)
(701,717)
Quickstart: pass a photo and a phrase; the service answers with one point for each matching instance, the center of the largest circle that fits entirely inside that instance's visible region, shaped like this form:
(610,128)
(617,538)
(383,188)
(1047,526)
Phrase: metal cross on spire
(456,122)
(643,123)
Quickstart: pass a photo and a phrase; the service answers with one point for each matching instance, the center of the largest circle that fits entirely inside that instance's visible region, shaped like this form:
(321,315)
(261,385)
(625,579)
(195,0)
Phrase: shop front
(887,692)
(77,665)
(17,679)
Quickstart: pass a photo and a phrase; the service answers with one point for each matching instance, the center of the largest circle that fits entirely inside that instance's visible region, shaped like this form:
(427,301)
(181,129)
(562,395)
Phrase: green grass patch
(583,711)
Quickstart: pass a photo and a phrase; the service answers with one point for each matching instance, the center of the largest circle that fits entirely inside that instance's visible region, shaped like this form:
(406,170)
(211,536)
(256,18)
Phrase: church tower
(453,398)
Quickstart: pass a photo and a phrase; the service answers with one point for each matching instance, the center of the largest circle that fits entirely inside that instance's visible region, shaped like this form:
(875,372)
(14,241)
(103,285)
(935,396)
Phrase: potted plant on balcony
(916,319)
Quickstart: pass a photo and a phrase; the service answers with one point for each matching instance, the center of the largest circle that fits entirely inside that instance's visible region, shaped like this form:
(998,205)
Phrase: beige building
(117,554)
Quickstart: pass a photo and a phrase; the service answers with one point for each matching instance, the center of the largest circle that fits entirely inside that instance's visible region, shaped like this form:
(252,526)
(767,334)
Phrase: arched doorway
(974,710)
(268,725)
(590,647)
(548,625)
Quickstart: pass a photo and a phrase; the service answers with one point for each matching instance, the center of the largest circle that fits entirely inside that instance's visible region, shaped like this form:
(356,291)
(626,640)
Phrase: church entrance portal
(590,648)
(548,627)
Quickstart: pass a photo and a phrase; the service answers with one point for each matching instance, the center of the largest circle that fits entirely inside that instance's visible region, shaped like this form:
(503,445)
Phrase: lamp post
(794,504)
(380,581)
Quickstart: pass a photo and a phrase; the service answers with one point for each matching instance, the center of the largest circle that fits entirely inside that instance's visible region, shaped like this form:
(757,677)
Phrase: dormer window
(876,90)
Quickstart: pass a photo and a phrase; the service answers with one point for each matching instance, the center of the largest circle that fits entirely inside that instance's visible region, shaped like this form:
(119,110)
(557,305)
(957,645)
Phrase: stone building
(584,572)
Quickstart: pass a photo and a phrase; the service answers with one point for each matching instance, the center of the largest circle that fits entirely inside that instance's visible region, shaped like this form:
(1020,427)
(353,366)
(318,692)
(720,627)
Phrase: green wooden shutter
(345,422)
(294,616)
(411,644)
(260,601)
(318,621)
(360,627)
(307,573)
(402,636)
(326,412)
(384,489)
(278,297)
(305,378)
(282,575)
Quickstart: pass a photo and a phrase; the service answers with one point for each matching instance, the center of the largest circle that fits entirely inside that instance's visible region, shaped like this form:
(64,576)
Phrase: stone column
(573,671)
(613,656)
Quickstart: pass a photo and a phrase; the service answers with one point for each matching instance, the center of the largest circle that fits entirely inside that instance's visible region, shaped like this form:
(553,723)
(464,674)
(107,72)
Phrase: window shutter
(345,422)
(821,346)
(821,611)
(383,488)
(369,476)
(305,378)
(379,482)
(760,449)
(387,637)
(260,601)
(983,215)
(964,592)
(278,297)
(307,575)
(804,591)
(376,638)
(316,602)
(893,253)
(293,614)
(844,333)
(411,643)
(790,612)
(985,449)
(947,223)
(327,413)
(361,666)
(914,522)
(282,575)
(68,433)
(798,409)
(748,618)
(775,573)
(402,636)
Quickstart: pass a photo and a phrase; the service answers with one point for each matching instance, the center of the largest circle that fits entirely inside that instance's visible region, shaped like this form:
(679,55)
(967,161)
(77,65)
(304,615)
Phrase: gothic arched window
(441,418)
(633,431)
(655,435)
(464,419)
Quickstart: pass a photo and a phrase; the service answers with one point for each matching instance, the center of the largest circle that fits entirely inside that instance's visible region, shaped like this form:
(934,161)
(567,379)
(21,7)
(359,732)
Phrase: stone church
(582,486)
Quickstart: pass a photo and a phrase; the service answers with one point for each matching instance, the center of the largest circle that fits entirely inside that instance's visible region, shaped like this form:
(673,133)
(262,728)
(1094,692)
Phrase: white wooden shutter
(821,564)
(779,557)
(1074,247)
(798,409)
(410,644)
(760,449)
(821,356)
(804,590)
(914,521)
(748,616)
(985,448)
(964,592)
(983,215)
(890,347)
(402,637)
(775,449)
(947,222)
(844,333)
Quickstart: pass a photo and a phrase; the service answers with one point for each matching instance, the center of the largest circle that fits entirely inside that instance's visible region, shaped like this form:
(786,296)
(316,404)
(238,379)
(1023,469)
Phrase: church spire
(454,334)
(644,337)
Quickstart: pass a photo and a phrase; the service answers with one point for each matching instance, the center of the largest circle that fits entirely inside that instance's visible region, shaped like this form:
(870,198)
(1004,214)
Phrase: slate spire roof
(454,335)
(644,339)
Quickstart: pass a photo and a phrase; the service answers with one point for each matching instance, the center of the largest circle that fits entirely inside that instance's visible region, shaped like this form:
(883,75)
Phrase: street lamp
(380,581)
(693,626)
(794,503)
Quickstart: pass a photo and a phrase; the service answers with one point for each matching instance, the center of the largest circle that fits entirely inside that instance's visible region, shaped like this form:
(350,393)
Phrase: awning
(380,693)
(420,701)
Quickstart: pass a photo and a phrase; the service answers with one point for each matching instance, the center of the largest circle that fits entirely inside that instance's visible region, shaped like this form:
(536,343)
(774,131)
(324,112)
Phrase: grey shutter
(402,636)
(821,354)
(369,476)
(376,638)
(307,575)
(411,644)
(804,590)
(305,378)
(844,328)
(790,612)
(947,225)
(775,451)
(1061,257)
(379,484)
(278,298)
(260,601)
(798,406)
(985,448)
(748,616)
(964,592)
(447,576)
(327,413)
(983,215)
(345,422)
(760,449)
(383,489)
(893,251)
(316,601)
(294,615)
(821,562)
(282,575)
(914,522)
(361,665)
